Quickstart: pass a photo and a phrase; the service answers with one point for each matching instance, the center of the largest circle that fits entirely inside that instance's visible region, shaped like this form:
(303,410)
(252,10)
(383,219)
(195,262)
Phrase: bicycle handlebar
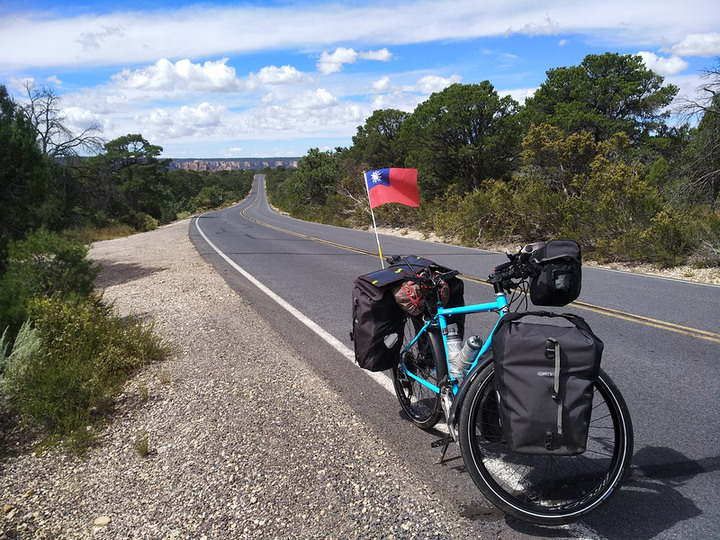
(520,267)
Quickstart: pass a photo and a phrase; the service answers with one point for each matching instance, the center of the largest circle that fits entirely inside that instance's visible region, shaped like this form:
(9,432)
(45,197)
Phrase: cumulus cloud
(182,75)
(382,84)
(432,83)
(78,119)
(333,62)
(663,66)
(310,112)
(185,121)
(272,75)
(318,99)
(697,45)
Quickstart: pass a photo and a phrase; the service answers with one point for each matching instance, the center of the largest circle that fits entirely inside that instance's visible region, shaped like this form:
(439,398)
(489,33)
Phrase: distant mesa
(233,164)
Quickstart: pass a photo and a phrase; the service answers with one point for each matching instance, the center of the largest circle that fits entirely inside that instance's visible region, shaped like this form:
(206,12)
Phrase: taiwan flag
(392,186)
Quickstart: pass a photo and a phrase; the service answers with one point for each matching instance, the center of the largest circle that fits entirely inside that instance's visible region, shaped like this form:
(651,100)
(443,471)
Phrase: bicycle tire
(420,403)
(540,489)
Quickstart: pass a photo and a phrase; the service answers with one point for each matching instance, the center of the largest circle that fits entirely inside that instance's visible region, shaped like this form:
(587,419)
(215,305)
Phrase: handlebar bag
(558,281)
(544,376)
(377,321)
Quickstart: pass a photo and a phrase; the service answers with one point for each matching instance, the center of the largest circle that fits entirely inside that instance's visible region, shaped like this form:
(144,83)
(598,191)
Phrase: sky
(226,79)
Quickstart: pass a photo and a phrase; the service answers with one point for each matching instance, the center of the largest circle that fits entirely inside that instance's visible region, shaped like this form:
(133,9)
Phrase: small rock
(102,521)
(7,508)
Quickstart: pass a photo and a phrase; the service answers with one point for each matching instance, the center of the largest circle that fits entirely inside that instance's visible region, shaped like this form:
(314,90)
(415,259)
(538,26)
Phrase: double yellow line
(647,321)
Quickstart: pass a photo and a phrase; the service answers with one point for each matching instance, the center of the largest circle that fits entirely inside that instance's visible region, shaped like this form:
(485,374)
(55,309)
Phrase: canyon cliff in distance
(233,164)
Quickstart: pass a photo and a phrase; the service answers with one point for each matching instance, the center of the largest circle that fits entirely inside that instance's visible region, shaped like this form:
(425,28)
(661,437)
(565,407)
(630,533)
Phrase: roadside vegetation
(589,157)
(65,353)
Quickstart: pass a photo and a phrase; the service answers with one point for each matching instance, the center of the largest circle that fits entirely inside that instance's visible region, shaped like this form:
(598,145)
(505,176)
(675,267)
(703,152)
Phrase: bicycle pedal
(441,442)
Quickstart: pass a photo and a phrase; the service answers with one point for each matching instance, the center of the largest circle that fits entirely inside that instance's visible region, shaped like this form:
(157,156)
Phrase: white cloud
(382,84)
(78,119)
(312,112)
(184,121)
(20,84)
(275,75)
(94,40)
(131,38)
(382,55)
(518,94)
(402,101)
(319,99)
(333,62)
(547,28)
(663,66)
(182,75)
(432,83)
(697,45)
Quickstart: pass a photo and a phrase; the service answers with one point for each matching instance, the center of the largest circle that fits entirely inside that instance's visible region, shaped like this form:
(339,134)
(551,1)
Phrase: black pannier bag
(544,377)
(377,325)
(377,319)
(559,265)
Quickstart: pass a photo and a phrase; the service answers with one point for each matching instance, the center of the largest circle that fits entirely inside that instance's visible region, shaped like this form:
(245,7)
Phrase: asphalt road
(662,347)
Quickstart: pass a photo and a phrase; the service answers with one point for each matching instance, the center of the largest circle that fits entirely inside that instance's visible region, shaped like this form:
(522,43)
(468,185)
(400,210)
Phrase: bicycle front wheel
(541,489)
(420,403)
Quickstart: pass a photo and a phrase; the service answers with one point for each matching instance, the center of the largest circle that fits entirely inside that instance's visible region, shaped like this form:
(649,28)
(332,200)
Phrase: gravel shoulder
(235,451)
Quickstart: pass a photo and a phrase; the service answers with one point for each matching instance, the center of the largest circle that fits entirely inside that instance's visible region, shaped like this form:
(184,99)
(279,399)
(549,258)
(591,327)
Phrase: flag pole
(377,238)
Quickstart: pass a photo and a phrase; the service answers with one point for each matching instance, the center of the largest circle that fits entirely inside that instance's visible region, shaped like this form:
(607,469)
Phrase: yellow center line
(646,321)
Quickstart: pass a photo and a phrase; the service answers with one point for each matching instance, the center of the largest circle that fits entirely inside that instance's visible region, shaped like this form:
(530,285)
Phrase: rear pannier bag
(544,377)
(378,319)
(558,281)
(377,325)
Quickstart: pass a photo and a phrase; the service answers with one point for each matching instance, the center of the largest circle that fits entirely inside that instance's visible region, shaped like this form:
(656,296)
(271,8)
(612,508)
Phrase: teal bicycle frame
(439,320)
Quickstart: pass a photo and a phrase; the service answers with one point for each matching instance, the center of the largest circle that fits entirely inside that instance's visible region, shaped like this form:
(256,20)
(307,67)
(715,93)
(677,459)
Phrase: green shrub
(671,238)
(140,221)
(65,371)
(42,265)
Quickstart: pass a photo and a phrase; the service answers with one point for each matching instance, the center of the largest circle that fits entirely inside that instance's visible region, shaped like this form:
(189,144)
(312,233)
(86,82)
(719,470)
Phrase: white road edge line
(379,377)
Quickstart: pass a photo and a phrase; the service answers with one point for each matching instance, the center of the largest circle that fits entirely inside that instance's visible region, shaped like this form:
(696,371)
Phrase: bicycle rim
(547,489)
(419,402)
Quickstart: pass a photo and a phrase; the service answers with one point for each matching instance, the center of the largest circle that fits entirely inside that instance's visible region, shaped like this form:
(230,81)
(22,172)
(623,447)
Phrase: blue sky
(276,78)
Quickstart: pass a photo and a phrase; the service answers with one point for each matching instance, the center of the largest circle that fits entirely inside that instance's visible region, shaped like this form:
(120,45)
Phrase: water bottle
(454,346)
(462,362)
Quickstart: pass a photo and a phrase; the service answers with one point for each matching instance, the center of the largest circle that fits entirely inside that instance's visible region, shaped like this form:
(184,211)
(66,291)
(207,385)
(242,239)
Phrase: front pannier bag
(544,376)
(558,280)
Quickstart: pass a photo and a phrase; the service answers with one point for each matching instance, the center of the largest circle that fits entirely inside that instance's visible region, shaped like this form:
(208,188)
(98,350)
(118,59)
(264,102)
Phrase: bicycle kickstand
(444,442)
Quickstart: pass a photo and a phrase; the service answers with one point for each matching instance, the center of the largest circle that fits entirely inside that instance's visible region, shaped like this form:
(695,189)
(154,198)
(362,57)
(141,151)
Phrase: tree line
(590,157)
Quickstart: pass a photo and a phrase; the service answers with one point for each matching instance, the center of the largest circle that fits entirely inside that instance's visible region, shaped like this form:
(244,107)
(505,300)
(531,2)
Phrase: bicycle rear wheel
(538,488)
(419,402)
